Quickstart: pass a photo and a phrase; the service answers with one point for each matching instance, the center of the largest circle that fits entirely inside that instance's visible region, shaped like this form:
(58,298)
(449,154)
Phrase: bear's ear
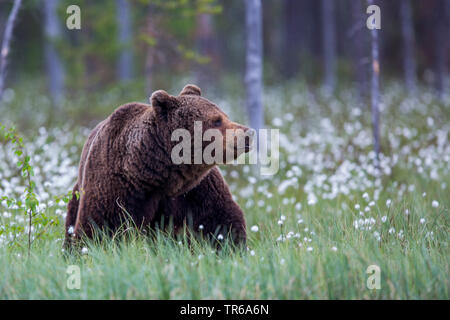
(191,89)
(161,99)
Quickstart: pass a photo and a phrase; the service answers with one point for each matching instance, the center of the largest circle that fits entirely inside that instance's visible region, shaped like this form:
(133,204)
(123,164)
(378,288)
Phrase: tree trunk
(55,69)
(292,37)
(375,91)
(125,63)
(254,61)
(329,44)
(206,47)
(409,62)
(6,43)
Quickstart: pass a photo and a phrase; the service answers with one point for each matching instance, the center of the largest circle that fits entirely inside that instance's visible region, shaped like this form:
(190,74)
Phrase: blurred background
(126,49)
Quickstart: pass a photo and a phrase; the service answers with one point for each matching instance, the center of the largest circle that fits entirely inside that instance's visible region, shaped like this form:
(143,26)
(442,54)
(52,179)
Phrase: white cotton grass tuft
(435,204)
(84,250)
(254,228)
(220,237)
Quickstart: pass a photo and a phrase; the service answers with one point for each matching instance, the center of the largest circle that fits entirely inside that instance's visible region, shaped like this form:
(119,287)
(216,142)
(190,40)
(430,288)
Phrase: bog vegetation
(313,229)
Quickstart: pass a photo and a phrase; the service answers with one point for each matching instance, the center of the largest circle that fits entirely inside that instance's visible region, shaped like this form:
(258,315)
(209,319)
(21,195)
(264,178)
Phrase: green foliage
(187,7)
(192,55)
(89,60)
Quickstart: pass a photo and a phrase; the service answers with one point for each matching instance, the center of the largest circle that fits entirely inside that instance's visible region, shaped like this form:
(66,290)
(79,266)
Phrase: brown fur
(126,166)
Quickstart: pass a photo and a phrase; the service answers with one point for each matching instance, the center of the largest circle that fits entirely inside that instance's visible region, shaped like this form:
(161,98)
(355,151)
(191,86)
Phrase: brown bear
(126,172)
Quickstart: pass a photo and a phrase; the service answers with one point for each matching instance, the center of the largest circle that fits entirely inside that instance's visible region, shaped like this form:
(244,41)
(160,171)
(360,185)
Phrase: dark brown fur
(126,171)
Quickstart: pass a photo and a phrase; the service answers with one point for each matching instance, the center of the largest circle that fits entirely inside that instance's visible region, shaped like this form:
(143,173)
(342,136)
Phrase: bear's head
(212,137)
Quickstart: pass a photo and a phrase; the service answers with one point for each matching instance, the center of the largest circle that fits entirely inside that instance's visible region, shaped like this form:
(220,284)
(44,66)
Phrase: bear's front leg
(210,209)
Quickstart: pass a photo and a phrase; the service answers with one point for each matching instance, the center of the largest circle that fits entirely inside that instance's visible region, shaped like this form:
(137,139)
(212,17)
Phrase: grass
(322,220)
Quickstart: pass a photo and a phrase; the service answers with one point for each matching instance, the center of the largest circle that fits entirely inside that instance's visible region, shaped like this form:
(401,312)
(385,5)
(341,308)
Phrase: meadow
(314,228)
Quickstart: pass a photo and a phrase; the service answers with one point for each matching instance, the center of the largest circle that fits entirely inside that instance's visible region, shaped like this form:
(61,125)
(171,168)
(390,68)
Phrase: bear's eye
(217,122)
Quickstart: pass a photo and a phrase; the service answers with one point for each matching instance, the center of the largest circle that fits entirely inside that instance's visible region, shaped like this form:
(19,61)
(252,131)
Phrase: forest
(358,90)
